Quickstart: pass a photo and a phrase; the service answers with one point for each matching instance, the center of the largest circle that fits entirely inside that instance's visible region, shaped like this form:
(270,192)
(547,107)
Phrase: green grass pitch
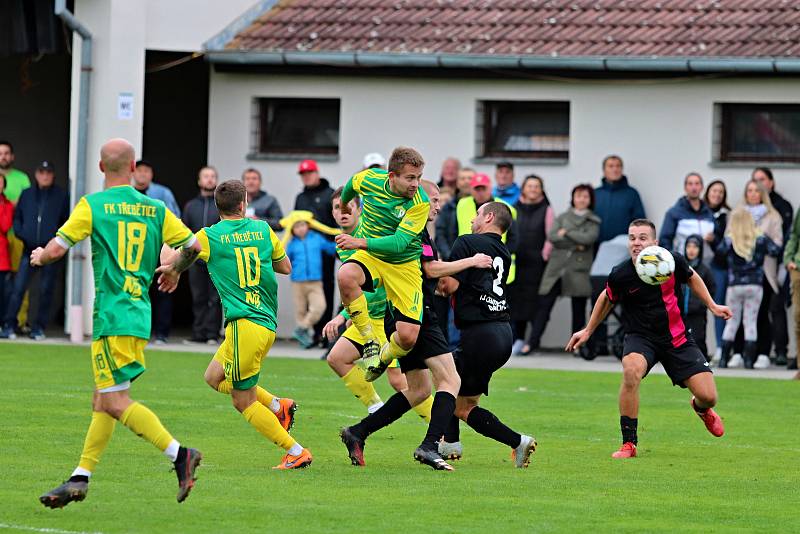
(683,480)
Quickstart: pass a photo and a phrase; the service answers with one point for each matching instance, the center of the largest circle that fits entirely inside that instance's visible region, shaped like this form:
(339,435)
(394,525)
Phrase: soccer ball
(655,265)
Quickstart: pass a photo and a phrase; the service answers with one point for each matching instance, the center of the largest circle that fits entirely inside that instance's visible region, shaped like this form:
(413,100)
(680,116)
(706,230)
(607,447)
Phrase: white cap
(374,158)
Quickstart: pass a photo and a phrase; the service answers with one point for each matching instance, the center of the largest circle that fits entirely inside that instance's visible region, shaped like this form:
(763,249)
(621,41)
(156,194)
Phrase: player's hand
(167,278)
(792,266)
(578,339)
(481,261)
(348,242)
(36,257)
(331,330)
(721,311)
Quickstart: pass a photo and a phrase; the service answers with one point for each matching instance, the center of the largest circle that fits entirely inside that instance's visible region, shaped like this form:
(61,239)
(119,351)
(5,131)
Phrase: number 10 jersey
(239,254)
(127,230)
(482,295)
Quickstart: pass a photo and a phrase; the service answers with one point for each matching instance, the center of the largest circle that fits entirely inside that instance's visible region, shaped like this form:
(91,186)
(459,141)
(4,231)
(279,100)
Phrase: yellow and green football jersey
(385,215)
(127,230)
(239,254)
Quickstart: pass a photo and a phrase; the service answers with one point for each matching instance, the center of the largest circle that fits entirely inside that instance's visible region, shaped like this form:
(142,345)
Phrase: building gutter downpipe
(77,254)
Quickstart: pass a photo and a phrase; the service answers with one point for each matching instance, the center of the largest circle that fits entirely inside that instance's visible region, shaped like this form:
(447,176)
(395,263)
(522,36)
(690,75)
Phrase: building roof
(764,33)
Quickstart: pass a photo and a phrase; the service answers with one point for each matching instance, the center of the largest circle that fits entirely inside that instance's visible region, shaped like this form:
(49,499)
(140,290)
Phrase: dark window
(760,132)
(526,129)
(297,126)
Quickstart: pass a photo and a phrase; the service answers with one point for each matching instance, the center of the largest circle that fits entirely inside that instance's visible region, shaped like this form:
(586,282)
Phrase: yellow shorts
(355,336)
(116,359)
(246,344)
(403,282)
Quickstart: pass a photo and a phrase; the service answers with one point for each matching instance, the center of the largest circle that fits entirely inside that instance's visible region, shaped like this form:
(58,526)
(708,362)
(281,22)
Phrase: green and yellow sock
(424,409)
(97,438)
(268,425)
(394,350)
(146,424)
(360,388)
(359,314)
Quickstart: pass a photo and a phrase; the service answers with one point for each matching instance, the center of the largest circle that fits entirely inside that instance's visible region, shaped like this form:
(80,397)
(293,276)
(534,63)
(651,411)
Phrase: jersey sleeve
(460,251)
(78,226)
(202,238)
(174,233)
(278,252)
(352,188)
(613,286)
(683,271)
(415,219)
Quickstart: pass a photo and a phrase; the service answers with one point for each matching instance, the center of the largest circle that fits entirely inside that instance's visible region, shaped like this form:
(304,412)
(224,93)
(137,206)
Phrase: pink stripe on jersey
(609,293)
(427,250)
(676,326)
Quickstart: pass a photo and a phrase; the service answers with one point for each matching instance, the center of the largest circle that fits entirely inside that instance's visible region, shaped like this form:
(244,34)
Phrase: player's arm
(601,309)
(281,263)
(449,284)
(77,228)
(438,268)
(699,288)
(175,234)
(350,190)
(411,225)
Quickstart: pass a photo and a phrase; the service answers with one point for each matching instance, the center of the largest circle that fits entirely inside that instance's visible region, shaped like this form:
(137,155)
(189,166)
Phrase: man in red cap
(316,198)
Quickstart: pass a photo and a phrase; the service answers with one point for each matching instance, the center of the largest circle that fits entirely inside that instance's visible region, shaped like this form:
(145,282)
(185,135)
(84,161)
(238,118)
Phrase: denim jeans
(47,278)
(721,283)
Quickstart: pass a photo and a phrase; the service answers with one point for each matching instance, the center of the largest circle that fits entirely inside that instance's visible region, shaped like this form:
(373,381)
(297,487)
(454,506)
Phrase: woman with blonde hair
(758,202)
(746,247)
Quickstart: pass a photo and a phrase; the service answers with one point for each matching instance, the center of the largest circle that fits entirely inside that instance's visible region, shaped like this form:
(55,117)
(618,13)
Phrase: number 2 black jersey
(482,293)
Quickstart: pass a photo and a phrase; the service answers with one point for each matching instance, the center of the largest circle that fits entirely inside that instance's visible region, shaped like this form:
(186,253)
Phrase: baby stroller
(609,336)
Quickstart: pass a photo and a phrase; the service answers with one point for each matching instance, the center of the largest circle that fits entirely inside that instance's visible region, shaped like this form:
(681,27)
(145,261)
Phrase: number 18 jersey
(239,254)
(482,294)
(127,230)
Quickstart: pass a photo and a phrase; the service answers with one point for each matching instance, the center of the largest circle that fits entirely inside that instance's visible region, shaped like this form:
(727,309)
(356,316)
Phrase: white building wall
(662,129)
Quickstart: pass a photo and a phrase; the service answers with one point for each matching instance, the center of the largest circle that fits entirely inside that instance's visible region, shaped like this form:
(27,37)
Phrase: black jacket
(317,200)
(787,214)
(200,212)
(39,213)
(446,229)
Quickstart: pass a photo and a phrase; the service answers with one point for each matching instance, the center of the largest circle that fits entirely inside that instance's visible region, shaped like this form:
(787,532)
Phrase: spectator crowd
(745,247)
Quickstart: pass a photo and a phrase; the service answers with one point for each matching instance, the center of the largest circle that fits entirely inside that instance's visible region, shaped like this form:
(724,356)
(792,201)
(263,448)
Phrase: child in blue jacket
(305,251)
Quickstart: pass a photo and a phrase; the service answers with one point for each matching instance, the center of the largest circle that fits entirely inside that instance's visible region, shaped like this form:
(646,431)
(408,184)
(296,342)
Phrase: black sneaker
(185,466)
(780,359)
(64,494)
(791,364)
(431,457)
(355,446)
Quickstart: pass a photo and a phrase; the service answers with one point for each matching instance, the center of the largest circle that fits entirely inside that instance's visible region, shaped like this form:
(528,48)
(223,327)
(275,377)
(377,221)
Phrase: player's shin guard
(97,438)
(394,350)
(268,425)
(423,409)
(360,388)
(390,412)
(487,424)
(359,314)
(444,404)
(145,423)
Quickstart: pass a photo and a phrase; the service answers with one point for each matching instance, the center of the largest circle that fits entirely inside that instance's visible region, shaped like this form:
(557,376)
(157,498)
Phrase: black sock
(181,456)
(628,427)
(391,411)
(486,423)
(444,404)
(453,432)
(78,478)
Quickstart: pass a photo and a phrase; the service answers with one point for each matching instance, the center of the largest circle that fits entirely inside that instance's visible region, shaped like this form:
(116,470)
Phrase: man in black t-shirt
(655,332)
(482,316)
(430,352)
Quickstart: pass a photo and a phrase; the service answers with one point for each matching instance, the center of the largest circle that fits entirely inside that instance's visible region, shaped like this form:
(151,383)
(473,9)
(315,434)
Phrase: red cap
(480,180)
(307,165)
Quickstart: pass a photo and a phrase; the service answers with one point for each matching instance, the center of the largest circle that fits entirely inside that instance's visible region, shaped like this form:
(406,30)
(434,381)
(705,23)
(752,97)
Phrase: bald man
(127,230)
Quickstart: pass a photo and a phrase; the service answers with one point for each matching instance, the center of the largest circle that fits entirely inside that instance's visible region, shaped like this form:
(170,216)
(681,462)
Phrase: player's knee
(631,376)
(347,276)
(407,335)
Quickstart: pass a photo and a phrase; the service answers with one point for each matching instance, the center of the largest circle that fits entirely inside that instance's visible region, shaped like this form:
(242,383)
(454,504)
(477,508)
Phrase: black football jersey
(482,294)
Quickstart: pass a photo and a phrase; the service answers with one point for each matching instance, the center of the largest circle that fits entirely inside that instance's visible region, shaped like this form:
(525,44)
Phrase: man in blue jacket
(616,202)
(41,210)
(689,216)
(506,189)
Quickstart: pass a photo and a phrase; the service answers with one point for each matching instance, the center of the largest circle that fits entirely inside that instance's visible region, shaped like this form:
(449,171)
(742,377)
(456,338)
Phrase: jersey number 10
(249,273)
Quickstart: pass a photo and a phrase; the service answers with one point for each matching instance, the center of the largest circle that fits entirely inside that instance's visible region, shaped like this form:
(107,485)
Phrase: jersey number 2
(497,283)
(249,275)
(130,244)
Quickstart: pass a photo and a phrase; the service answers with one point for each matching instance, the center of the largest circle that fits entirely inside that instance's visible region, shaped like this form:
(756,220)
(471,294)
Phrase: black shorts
(484,348)
(430,341)
(680,363)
